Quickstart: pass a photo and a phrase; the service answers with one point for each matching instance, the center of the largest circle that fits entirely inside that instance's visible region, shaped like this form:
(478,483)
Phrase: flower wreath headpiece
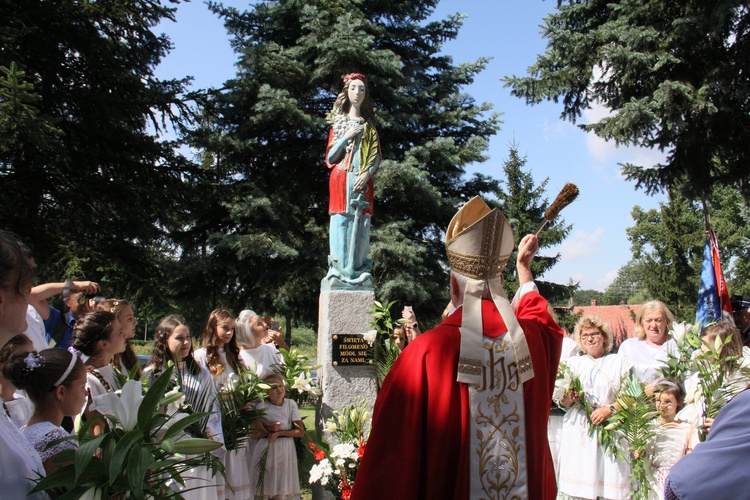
(354,76)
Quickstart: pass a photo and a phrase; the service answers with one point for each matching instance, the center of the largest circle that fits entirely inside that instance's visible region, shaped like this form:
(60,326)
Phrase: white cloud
(610,153)
(606,280)
(553,131)
(582,244)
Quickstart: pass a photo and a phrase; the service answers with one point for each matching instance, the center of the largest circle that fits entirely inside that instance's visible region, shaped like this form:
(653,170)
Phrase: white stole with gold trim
(498,431)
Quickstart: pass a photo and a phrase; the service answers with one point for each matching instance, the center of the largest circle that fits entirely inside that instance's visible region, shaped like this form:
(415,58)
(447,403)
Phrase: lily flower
(370,336)
(680,330)
(123,407)
(301,383)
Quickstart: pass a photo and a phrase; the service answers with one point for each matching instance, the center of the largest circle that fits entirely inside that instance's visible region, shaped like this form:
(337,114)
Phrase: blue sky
(509,32)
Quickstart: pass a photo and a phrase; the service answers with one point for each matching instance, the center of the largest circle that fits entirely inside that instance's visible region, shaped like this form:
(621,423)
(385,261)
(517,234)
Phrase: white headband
(67,371)
(668,384)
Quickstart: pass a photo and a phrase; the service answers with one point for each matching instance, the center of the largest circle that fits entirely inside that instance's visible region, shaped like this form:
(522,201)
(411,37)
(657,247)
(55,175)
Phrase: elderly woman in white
(586,469)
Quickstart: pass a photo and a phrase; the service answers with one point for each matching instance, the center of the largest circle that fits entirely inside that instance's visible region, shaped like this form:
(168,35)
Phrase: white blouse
(19,462)
(647,358)
(261,359)
(41,434)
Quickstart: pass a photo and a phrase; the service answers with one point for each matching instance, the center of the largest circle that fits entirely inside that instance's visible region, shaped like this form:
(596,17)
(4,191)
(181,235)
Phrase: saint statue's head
(354,93)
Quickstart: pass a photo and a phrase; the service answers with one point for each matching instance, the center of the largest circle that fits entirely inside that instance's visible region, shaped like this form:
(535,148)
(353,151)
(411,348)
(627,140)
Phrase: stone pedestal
(341,313)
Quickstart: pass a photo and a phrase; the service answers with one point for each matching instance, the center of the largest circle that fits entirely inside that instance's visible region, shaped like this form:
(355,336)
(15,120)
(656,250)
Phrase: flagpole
(706,215)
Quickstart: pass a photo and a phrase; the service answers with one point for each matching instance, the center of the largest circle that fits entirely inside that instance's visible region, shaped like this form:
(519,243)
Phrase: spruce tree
(267,136)
(86,181)
(673,74)
(523,203)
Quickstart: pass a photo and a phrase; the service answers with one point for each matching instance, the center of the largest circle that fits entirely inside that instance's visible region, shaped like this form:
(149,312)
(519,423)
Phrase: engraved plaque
(350,349)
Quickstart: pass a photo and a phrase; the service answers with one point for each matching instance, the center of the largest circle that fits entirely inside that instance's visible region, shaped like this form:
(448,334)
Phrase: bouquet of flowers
(139,453)
(632,421)
(336,469)
(569,385)
(237,398)
(687,338)
(297,370)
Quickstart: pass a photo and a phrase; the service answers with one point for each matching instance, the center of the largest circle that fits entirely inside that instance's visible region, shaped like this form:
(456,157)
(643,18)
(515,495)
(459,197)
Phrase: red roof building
(621,318)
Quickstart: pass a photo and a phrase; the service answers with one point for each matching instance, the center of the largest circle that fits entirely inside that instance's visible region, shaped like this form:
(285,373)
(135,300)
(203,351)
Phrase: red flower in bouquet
(346,489)
(318,453)
(361,449)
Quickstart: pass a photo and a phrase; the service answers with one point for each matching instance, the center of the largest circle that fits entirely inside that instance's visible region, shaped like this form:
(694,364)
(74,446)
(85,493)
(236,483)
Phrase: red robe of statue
(419,444)
(339,188)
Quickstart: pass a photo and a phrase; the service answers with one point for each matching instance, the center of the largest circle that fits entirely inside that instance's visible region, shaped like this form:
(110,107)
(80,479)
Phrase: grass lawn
(308,417)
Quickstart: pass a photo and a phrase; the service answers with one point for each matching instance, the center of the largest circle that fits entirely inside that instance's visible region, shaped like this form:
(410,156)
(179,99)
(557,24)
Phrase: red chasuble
(419,444)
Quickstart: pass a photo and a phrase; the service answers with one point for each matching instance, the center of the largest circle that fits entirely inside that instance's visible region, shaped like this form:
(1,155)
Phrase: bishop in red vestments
(425,423)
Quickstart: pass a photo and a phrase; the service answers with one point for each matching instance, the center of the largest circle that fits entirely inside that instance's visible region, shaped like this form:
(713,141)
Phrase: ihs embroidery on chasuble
(498,438)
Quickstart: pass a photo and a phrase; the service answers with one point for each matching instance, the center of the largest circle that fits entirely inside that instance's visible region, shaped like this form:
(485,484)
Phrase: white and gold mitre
(479,241)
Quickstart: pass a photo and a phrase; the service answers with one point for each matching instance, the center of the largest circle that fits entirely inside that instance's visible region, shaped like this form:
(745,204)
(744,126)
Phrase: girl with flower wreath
(55,381)
(98,337)
(172,343)
(220,355)
(275,456)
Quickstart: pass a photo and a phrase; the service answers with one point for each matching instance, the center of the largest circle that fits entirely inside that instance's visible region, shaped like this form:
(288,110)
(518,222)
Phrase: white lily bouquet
(569,384)
(297,370)
(687,338)
(140,452)
(237,401)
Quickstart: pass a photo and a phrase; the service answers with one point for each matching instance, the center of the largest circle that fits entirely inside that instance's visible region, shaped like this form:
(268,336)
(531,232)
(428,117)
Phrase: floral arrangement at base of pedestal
(140,452)
(631,422)
(336,469)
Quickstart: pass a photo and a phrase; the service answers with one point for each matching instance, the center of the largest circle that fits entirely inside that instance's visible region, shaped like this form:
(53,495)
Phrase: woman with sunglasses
(586,470)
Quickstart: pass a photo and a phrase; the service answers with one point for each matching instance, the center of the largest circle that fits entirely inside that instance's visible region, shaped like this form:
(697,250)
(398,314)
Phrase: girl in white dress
(98,337)
(586,469)
(19,461)
(673,438)
(55,381)
(282,422)
(172,342)
(221,356)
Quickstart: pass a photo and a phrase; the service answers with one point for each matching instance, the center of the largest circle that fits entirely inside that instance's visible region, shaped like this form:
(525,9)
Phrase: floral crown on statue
(354,76)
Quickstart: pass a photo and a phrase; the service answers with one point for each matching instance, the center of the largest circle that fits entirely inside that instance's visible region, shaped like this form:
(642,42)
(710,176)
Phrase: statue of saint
(353,155)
